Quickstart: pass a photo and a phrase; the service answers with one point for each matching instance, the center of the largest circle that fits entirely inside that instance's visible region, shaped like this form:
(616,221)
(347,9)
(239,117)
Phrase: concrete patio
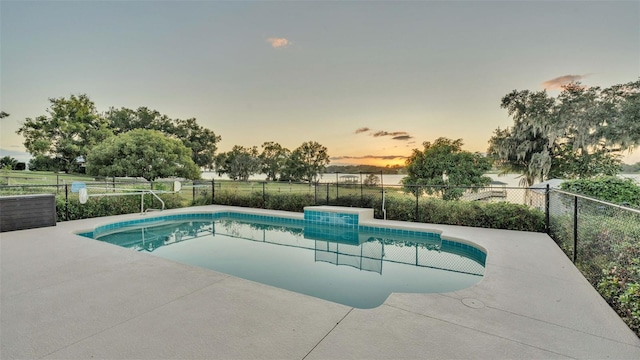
(68,297)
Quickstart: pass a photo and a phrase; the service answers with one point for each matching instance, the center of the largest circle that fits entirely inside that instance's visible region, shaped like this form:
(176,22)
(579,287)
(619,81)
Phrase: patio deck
(63,296)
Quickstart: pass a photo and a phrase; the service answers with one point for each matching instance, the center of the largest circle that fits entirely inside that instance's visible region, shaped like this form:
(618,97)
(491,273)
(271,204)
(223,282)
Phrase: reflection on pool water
(358,266)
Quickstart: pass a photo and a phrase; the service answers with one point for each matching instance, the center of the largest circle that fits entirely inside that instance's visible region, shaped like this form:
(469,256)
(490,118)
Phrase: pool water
(358,267)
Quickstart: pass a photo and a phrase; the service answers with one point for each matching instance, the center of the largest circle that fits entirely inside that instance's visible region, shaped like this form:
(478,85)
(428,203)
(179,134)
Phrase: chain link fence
(593,233)
(603,241)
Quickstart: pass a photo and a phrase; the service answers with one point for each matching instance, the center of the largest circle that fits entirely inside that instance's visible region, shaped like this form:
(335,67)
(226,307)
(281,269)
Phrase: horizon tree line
(580,133)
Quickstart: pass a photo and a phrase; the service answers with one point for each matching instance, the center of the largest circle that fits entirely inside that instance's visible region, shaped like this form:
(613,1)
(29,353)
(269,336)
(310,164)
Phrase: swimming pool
(333,258)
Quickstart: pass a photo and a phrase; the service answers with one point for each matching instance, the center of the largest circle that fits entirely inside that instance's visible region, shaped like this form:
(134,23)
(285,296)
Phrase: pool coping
(66,297)
(361,230)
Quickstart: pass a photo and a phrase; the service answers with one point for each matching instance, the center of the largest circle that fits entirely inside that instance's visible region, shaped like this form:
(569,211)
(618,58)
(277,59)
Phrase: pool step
(348,217)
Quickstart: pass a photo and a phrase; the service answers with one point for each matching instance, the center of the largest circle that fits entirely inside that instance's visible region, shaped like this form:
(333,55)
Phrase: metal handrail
(142,200)
(136,192)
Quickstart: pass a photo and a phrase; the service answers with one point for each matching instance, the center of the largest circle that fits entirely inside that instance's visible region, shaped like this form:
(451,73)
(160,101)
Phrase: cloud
(278,43)
(559,82)
(378,157)
(386,133)
(402,137)
(395,135)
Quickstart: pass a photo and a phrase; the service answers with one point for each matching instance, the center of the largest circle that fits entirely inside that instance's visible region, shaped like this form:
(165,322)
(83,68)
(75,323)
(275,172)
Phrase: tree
(44,163)
(7,162)
(371,180)
(3,114)
(69,130)
(580,133)
(200,140)
(443,167)
(273,159)
(306,162)
(142,153)
(239,163)
(123,120)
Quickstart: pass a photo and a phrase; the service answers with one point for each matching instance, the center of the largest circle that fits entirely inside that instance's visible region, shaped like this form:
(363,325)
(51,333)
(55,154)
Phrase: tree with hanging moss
(580,133)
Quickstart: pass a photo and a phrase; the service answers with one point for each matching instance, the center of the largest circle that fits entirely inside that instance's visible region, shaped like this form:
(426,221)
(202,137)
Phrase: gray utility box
(27,212)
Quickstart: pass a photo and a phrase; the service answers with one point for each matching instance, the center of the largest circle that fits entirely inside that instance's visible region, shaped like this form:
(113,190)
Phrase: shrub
(620,285)
(110,205)
(289,202)
(607,188)
(608,255)
(232,198)
(599,239)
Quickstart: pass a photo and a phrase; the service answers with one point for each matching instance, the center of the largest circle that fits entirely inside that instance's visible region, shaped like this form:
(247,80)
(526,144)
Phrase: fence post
(382,192)
(193,191)
(327,193)
(417,208)
(66,201)
(575,229)
(263,195)
(315,195)
(546,210)
(213,191)
(361,194)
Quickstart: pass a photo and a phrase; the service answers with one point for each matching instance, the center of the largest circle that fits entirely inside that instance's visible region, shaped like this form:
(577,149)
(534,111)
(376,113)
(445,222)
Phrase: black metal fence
(588,230)
(595,234)
(602,239)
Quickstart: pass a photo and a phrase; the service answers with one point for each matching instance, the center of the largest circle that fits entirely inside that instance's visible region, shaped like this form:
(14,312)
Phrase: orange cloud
(559,82)
(278,43)
(362,129)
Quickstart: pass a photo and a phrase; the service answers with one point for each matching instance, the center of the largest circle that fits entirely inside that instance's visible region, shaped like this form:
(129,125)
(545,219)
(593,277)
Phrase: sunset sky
(370,80)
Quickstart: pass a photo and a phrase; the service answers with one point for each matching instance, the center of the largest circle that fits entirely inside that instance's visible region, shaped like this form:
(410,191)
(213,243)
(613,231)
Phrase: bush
(232,198)
(608,188)
(110,205)
(289,202)
(608,255)
(599,239)
(431,210)
(620,285)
